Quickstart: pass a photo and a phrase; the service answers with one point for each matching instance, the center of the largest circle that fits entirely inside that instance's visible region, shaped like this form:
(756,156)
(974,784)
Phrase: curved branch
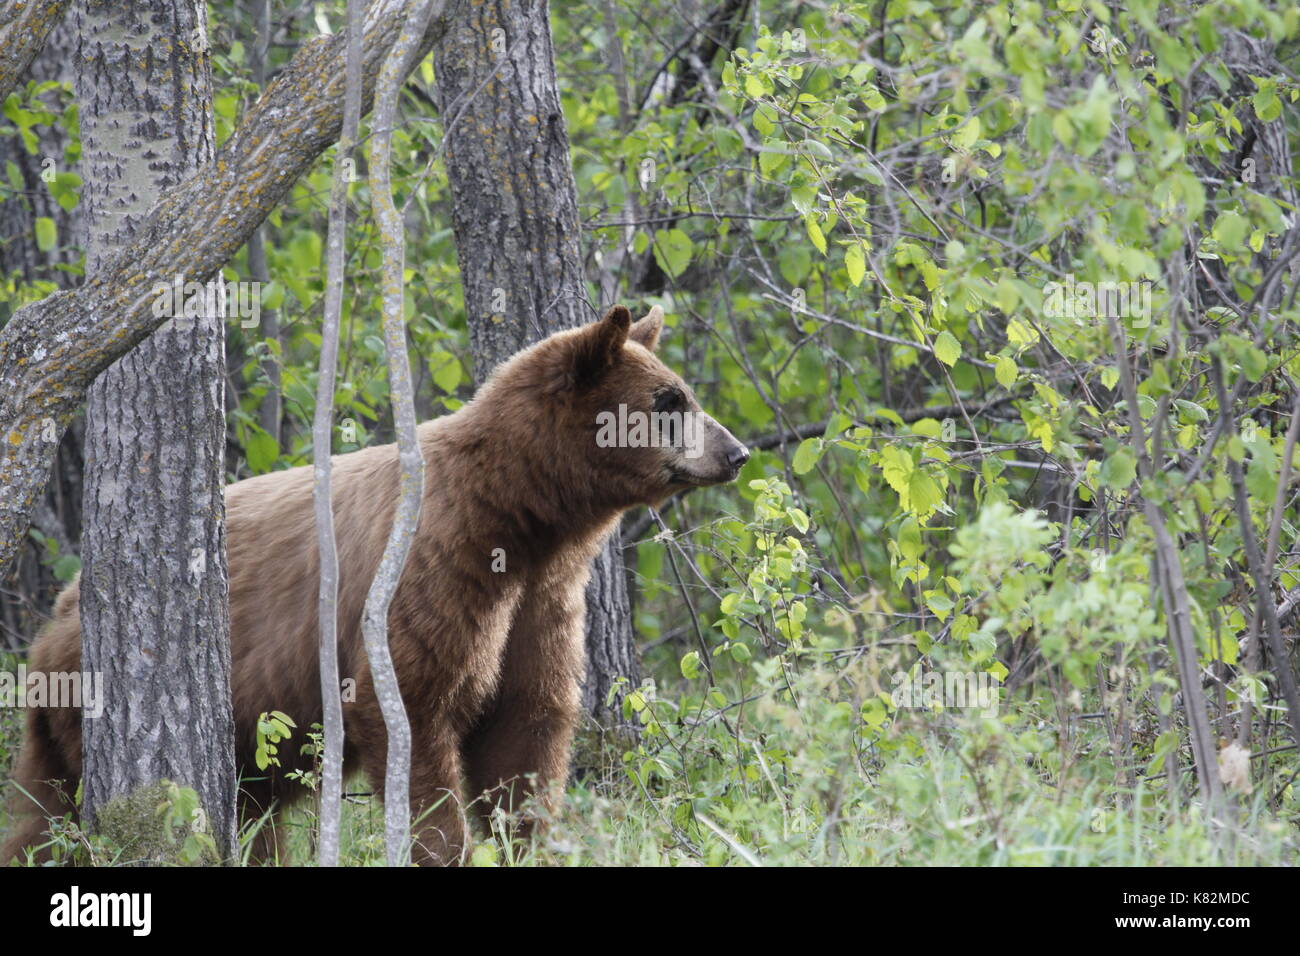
(23,31)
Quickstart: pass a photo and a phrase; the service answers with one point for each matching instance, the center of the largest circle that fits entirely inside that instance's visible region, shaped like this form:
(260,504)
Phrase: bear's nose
(738,456)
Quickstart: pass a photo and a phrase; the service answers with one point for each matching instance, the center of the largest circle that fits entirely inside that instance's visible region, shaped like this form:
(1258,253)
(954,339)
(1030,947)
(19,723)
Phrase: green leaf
(673,251)
(272,295)
(1020,334)
(909,539)
(927,427)
(815,233)
(485,854)
(939,603)
(447,375)
(807,455)
(794,261)
(855,262)
(896,465)
(1190,411)
(1005,370)
(923,494)
(1008,296)
(47,234)
(771,160)
(799,519)
(690,665)
(1254,363)
(969,133)
(836,424)
(1165,744)
(1230,230)
(66,566)
(1261,475)
(818,149)
(946,348)
(1119,470)
(1267,105)
(262,450)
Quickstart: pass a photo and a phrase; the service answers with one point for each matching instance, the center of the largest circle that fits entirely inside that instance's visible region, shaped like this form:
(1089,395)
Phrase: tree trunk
(515,217)
(154,613)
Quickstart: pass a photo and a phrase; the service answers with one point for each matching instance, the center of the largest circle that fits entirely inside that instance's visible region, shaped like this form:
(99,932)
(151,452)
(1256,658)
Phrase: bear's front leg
(439,833)
(520,747)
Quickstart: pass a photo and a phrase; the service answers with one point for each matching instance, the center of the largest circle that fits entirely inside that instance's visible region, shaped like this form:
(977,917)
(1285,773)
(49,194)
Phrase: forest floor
(962,792)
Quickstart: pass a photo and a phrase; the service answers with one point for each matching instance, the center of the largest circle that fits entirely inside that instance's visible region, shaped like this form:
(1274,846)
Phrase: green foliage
(272,728)
(63,566)
(916,237)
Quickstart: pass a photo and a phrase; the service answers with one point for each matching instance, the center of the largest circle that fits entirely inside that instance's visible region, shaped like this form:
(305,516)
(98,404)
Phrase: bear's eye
(669,400)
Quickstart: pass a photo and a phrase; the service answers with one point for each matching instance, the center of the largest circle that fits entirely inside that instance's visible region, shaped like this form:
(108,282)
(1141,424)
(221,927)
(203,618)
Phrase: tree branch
(23,33)
(331,800)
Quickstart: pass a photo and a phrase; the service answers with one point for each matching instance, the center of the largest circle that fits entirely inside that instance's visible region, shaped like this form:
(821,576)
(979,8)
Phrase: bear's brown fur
(489,661)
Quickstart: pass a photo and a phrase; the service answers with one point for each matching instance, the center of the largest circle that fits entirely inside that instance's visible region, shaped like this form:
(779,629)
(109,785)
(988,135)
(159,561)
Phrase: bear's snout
(736,458)
(724,455)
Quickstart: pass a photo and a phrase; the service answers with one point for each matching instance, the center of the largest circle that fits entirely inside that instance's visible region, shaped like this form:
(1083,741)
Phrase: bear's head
(616,418)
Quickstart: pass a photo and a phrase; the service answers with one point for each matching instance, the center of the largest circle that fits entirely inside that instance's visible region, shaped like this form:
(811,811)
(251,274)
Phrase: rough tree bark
(515,218)
(154,614)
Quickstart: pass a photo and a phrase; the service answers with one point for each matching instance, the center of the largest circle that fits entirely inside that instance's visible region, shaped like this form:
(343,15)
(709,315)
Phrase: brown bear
(522,485)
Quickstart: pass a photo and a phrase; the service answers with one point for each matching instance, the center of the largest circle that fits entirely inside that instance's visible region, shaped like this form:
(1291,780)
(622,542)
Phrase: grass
(800,777)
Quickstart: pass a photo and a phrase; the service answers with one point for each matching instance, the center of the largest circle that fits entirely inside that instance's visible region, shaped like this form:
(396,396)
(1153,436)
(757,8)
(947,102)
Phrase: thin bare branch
(374,622)
(1169,571)
(322,443)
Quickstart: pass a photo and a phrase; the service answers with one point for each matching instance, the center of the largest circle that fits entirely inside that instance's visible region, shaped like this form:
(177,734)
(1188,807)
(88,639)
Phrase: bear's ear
(645,331)
(598,346)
